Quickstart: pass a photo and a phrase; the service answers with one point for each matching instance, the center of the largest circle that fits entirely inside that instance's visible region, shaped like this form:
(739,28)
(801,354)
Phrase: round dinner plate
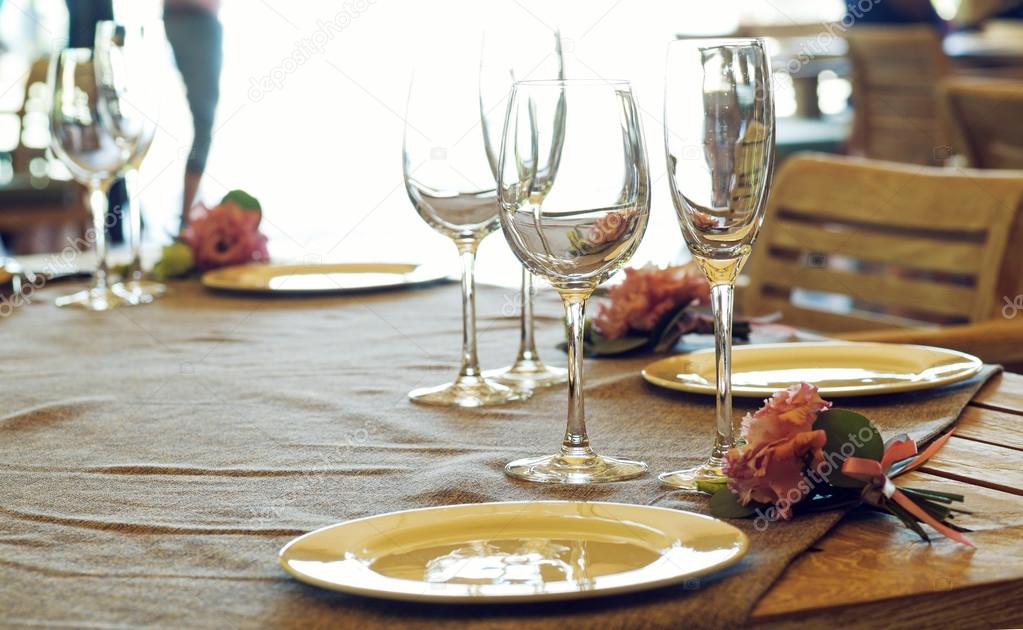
(320,278)
(837,368)
(509,552)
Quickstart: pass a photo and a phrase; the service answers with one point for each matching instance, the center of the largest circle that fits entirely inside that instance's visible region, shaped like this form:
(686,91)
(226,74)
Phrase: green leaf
(176,260)
(849,434)
(710,487)
(724,504)
(245,201)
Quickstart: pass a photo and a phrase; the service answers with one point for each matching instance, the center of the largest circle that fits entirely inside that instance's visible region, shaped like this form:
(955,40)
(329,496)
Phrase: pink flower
(646,295)
(224,235)
(780,441)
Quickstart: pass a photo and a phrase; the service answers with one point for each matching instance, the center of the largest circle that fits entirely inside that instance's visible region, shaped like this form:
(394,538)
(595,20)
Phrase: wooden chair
(983,119)
(896,70)
(34,207)
(851,245)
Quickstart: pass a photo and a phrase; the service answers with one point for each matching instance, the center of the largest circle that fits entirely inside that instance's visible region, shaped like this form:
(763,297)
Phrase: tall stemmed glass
(719,140)
(452,188)
(574,227)
(81,139)
(124,60)
(509,56)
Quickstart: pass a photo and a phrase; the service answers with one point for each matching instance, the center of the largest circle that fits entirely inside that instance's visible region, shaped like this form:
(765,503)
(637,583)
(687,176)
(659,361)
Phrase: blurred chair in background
(896,71)
(38,210)
(852,245)
(984,118)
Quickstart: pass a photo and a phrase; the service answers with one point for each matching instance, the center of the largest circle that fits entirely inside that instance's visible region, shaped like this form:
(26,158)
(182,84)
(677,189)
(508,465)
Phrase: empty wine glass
(574,225)
(508,56)
(124,61)
(719,141)
(452,188)
(80,138)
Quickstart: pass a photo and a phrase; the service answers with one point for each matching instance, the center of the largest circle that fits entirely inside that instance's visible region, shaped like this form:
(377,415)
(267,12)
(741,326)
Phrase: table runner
(155,459)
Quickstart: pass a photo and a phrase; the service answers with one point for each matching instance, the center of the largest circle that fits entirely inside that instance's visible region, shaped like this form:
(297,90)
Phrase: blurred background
(312,97)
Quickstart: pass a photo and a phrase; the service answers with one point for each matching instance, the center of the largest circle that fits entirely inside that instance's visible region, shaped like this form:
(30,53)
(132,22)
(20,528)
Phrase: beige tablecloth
(153,460)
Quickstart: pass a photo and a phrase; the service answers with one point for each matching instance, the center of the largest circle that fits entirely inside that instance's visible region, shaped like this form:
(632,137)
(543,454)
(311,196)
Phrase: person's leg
(196,37)
(82,18)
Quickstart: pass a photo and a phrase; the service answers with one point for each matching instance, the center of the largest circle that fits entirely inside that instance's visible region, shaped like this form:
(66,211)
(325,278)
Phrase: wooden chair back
(896,70)
(853,244)
(983,118)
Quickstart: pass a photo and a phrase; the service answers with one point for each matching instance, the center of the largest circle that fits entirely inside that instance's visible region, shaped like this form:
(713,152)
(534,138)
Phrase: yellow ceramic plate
(506,552)
(837,368)
(320,278)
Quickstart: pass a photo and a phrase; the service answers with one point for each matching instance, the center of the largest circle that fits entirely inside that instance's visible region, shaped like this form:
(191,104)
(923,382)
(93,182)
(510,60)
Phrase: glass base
(708,472)
(575,466)
(99,299)
(468,392)
(528,374)
(145,290)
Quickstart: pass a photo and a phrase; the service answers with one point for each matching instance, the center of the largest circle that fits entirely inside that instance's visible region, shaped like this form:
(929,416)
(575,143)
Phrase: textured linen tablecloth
(154,460)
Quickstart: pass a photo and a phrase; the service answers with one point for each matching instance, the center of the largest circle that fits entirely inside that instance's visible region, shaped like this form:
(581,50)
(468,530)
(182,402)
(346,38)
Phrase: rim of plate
(417,274)
(749,391)
(741,537)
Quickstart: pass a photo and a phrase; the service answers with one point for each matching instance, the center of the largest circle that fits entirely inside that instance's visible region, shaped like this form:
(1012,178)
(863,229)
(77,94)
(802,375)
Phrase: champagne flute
(574,227)
(524,53)
(719,141)
(124,57)
(80,138)
(452,188)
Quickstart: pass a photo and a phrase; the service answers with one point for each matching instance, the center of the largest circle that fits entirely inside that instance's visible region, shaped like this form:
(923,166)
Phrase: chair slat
(883,289)
(877,246)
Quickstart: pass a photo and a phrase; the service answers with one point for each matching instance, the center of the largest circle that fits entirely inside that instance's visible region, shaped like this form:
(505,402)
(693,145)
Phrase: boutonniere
(226,234)
(801,455)
(650,310)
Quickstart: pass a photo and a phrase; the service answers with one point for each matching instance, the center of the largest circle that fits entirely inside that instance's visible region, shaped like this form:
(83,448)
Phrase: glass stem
(99,204)
(527,344)
(470,361)
(722,297)
(576,439)
(131,185)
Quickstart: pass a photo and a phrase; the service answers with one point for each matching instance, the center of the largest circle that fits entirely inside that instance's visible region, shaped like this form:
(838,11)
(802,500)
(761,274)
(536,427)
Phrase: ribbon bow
(900,456)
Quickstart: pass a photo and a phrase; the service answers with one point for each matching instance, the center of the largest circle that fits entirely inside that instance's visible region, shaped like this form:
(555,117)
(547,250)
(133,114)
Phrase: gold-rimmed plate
(510,552)
(839,369)
(327,278)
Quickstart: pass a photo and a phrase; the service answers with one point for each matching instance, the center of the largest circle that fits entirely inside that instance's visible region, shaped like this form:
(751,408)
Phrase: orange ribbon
(876,473)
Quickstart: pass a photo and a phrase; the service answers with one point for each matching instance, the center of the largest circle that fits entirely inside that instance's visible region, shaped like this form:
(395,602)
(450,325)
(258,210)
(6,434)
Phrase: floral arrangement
(226,234)
(650,310)
(801,455)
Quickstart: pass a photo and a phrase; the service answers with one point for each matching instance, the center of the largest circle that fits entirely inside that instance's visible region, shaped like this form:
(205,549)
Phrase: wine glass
(719,141)
(452,188)
(124,59)
(80,138)
(508,56)
(574,225)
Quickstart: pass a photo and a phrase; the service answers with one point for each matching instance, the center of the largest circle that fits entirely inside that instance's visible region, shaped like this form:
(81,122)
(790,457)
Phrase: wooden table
(870,568)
